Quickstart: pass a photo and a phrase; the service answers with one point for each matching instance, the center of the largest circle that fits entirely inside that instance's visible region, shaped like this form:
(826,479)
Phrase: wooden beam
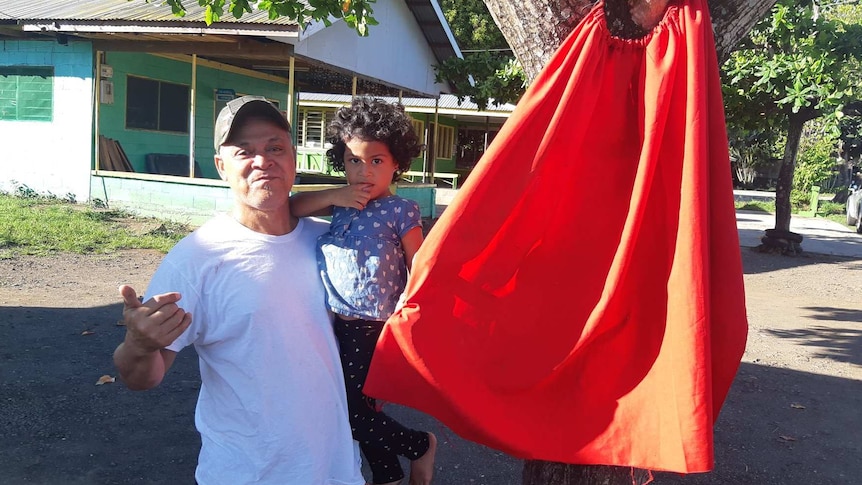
(12,32)
(243,48)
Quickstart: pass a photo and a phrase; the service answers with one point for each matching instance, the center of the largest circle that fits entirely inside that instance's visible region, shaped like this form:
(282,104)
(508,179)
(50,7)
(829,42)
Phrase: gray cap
(242,108)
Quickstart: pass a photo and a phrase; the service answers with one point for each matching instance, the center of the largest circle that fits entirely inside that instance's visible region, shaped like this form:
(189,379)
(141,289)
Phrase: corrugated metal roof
(447,101)
(118,10)
(122,14)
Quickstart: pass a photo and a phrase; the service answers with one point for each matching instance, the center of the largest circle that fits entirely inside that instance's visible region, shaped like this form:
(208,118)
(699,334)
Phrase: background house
(115,100)
(463,132)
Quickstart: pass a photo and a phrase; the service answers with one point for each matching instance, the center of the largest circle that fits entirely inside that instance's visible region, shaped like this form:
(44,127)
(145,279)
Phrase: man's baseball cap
(240,109)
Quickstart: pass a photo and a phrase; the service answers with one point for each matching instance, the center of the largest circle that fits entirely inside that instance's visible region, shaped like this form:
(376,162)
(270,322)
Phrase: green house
(115,100)
(455,133)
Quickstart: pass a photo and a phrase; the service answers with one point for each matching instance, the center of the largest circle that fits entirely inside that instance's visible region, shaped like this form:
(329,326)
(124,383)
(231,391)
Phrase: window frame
(444,144)
(419,128)
(326,115)
(159,104)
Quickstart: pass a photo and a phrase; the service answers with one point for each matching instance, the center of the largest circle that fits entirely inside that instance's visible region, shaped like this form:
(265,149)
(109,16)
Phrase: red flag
(581,300)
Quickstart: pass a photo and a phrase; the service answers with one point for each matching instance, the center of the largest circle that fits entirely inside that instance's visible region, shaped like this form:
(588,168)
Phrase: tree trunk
(534,29)
(548,473)
(785,173)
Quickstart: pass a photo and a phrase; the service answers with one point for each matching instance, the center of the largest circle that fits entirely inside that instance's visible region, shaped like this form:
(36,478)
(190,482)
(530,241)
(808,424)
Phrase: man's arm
(142,359)
(320,202)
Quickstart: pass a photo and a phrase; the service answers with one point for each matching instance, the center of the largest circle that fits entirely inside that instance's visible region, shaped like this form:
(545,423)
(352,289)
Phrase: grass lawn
(42,225)
(828,210)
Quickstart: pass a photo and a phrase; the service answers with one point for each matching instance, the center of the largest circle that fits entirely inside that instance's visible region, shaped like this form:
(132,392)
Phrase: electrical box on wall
(106,71)
(106,91)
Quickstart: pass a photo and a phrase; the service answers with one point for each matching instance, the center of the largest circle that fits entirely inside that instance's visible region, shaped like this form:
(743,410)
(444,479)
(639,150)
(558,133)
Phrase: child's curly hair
(372,119)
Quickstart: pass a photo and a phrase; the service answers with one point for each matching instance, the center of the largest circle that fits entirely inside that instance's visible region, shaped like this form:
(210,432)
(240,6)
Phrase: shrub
(827,208)
(815,164)
(799,200)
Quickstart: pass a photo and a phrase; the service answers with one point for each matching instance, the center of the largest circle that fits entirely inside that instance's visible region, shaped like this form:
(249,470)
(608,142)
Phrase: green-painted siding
(423,194)
(181,202)
(138,143)
(442,164)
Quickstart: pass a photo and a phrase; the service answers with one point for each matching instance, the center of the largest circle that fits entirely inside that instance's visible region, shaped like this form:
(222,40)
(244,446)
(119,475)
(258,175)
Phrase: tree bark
(785,173)
(535,28)
(548,473)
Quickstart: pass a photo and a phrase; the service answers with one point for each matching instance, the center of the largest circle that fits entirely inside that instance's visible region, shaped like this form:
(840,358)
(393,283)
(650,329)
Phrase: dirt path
(793,416)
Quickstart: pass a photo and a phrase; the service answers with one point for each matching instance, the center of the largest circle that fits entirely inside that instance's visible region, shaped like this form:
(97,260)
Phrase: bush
(799,200)
(815,163)
(827,208)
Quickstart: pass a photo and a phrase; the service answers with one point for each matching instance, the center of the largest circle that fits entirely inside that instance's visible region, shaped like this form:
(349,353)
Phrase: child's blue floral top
(361,259)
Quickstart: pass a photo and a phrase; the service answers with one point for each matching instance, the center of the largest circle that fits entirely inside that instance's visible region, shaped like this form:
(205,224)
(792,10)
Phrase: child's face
(369,163)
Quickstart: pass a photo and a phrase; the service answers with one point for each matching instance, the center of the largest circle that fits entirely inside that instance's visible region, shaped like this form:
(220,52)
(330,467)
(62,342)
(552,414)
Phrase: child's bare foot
(422,468)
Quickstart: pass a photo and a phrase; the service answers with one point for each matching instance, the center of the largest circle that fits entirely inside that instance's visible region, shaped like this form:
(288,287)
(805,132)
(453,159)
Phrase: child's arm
(411,242)
(320,202)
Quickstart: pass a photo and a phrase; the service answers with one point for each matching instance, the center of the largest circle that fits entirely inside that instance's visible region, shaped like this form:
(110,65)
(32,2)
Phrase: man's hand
(353,195)
(154,324)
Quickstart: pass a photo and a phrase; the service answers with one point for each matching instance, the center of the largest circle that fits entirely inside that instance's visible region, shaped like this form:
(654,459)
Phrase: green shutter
(26,93)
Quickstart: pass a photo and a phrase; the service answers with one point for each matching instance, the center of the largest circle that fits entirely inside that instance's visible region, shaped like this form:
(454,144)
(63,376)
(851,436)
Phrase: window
(26,93)
(445,144)
(157,105)
(419,128)
(222,96)
(311,127)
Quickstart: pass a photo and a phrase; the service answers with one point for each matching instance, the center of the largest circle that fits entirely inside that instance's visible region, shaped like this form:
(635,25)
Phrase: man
(272,406)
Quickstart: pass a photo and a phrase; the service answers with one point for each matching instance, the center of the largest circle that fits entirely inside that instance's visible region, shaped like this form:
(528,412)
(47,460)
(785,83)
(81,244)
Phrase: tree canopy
(793,63)
(796,65)
(356,13)
(489,69)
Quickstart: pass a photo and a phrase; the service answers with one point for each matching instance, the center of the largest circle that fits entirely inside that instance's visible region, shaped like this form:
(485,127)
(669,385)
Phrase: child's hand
(354,195)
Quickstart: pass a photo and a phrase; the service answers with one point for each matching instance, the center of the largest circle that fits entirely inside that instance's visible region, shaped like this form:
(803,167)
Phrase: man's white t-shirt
(272,406)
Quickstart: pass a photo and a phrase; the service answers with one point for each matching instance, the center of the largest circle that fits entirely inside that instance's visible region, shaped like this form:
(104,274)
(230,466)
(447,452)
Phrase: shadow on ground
(841,344)
(778,426)
(60,428)
(753,265)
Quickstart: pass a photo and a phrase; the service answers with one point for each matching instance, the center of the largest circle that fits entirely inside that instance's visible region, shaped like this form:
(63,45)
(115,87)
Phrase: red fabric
(581,300)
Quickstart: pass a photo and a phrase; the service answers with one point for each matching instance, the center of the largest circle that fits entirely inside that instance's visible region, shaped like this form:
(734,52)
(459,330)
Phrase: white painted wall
(51,157)
(395,50)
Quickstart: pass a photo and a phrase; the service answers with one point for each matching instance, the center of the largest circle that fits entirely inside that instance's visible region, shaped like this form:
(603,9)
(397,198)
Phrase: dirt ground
(793,416)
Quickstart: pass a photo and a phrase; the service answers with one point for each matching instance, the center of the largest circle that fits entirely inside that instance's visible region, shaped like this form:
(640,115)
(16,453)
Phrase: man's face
(259,164)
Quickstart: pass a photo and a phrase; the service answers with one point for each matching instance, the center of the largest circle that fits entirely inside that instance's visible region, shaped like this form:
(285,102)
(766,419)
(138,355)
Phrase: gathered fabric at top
(581,300)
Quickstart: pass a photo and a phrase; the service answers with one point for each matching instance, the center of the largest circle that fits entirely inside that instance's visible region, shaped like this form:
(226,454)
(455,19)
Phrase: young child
(364,260)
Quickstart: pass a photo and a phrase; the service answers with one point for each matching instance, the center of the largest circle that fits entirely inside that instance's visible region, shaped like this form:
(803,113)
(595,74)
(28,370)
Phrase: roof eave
(200,28)
(435,28)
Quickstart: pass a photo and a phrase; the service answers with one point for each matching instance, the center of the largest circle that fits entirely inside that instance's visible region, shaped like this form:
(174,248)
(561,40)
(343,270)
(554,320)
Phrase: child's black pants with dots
(380,437)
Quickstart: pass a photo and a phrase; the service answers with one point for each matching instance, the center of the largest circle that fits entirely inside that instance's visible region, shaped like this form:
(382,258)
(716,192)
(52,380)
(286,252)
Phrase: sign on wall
(222,96)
